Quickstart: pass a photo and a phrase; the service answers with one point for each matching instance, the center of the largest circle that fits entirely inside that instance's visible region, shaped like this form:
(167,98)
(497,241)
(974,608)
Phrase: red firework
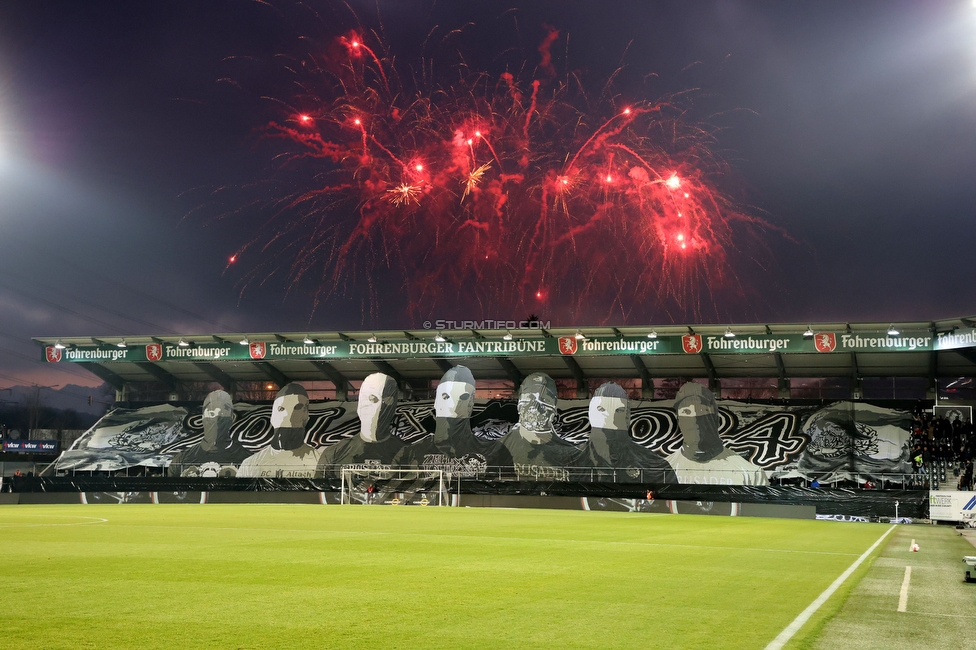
(492,193)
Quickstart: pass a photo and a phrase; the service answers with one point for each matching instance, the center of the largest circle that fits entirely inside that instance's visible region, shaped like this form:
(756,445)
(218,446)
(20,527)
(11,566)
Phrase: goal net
(374,485)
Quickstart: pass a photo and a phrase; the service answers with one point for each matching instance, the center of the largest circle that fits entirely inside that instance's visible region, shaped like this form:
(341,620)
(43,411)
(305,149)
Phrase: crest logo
(567,344)
(52,354)
(691,343)
(154,352)
(825,341)
(257,350)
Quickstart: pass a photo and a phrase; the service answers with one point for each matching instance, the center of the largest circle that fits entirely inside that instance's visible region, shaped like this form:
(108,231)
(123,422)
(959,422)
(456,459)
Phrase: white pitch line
(92,520)
(903,596)
(811,609)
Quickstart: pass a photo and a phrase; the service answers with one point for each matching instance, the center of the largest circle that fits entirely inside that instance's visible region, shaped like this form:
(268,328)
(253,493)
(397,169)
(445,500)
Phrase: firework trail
(491,193)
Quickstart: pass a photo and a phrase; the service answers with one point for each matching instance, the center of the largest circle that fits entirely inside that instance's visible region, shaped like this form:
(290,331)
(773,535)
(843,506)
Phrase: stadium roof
(932,349)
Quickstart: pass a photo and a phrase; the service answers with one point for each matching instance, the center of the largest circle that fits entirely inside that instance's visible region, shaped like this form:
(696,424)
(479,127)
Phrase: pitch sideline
(804,616)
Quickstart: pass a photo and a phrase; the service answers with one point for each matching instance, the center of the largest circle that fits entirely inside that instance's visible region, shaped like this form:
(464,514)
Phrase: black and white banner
(839,441)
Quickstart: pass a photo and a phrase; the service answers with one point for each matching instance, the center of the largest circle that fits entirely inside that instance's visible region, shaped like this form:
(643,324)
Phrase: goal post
(393,486)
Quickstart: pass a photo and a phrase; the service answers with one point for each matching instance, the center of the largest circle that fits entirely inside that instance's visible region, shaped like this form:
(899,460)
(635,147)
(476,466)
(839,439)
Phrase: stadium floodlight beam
(440,337)
(372,338)
(652,334)
(59,345)
(808,333)
(121,344)
(729,334)
(892,331)
(244,341)
(508,335)
(182,343)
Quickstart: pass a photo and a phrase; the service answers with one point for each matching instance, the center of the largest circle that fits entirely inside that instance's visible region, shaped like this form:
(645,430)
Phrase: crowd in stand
(940,444)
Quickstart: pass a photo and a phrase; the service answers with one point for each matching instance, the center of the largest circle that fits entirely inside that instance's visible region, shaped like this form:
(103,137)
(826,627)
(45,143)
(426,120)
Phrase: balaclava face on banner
(289,415)
(377,407)
(454,405)
(218,416)
(537,408)
(610,408)
(455,394)
(609,423)
(699,421)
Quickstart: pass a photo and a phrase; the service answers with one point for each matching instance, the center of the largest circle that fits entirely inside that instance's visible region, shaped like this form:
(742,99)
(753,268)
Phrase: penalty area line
(811,609)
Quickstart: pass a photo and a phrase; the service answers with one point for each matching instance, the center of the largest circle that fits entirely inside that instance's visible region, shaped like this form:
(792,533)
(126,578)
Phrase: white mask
(370,405)
(609,413)
(289,411)
(455,399)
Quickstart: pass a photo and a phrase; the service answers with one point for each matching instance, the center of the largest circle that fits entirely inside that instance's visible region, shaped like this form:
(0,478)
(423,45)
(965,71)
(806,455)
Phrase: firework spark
(492,191)
(473,179)
(403,194)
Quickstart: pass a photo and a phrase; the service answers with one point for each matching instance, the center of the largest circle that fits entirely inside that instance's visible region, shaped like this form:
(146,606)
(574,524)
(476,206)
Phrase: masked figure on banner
(217,454)
(288,456)
(452,447)
(374,445)
(610,451)
(535,449)
(851,440)
(702,458)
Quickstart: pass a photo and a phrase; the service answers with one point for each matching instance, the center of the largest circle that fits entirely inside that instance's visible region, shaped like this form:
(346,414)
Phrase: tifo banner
(819,343)
(951,505)
(756,443)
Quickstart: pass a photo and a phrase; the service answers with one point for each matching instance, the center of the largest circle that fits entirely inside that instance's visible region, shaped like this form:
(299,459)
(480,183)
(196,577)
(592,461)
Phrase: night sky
(850,126)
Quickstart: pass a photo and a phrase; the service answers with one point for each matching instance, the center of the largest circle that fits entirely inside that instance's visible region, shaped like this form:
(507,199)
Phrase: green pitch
(288,576)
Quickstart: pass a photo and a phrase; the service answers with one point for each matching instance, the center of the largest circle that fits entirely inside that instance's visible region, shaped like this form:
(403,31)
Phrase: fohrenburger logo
(154,352)
(691,343)
(825,341)
(258,350)
(567,344)
(52,354)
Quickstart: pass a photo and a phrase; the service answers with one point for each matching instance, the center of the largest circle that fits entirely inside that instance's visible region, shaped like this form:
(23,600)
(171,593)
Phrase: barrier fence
(627,475)
(837,501)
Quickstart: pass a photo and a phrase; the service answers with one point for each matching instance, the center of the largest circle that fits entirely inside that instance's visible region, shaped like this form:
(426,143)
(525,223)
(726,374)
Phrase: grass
(290,576)
(941,607)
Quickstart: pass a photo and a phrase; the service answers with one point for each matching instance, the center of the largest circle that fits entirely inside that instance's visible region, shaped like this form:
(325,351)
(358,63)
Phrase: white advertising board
(952,505)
